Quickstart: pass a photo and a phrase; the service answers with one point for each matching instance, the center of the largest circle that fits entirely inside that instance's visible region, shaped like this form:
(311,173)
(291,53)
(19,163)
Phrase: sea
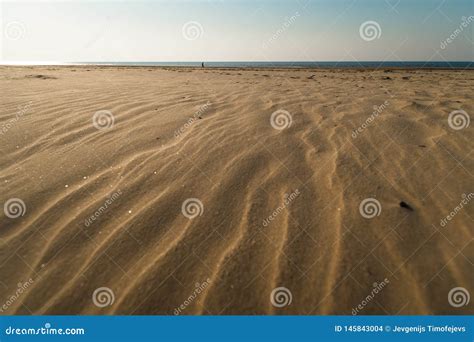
(305,65)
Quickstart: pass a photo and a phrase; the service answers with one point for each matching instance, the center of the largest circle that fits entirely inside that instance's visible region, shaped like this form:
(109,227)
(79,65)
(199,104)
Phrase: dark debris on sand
(42,77)
(405,205)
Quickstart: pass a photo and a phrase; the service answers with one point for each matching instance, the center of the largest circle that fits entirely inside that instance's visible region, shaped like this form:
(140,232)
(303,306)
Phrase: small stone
(405,205)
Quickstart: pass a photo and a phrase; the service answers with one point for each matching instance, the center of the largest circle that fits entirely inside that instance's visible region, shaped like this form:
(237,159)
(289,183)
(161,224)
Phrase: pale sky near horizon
(224,30)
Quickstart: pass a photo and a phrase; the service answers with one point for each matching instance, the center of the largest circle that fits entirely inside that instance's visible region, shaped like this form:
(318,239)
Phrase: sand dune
(104,160)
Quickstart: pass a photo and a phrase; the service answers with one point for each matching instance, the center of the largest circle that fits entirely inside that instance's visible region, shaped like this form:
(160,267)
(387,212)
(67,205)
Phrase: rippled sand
(103,202)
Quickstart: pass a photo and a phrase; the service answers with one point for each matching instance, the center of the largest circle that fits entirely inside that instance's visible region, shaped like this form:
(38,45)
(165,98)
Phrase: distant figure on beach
(202,65)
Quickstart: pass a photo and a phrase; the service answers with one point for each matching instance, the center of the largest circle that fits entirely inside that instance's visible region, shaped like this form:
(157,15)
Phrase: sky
(233,30)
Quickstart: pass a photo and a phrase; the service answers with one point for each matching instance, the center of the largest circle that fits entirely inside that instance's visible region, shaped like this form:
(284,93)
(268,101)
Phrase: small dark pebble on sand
(405,205)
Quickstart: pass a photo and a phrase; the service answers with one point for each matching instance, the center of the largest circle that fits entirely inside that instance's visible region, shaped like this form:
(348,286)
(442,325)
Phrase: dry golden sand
(318,245)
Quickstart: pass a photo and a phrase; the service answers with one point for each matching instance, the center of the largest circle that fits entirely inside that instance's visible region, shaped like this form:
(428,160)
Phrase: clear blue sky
(233,30)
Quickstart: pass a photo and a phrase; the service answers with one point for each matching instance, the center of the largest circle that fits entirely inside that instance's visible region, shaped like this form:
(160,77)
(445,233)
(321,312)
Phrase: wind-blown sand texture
(280,207)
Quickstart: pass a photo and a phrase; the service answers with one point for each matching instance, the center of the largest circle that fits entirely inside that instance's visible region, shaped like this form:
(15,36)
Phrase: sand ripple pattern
(166,212)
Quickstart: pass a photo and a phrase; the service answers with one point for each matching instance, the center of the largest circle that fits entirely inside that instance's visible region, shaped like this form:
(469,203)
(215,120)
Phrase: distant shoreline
(341,68)
(263,65)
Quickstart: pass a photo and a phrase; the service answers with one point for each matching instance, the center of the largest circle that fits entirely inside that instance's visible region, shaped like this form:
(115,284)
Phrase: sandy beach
(235,191)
